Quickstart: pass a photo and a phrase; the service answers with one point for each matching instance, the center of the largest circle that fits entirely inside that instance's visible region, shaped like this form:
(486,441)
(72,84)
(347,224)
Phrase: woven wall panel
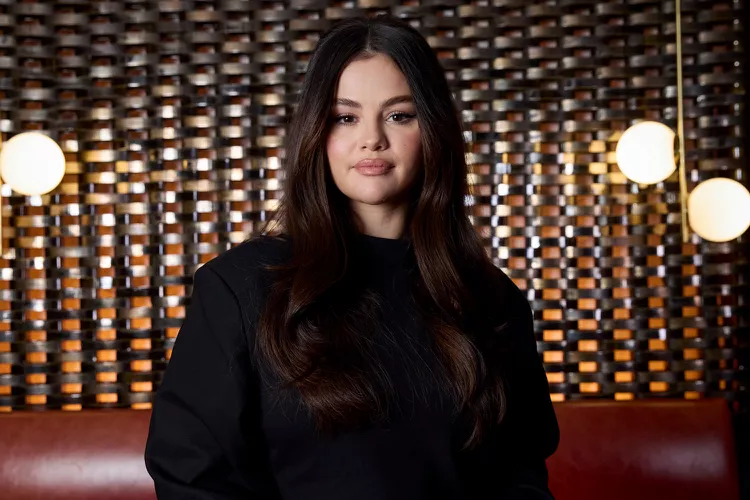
(171,115)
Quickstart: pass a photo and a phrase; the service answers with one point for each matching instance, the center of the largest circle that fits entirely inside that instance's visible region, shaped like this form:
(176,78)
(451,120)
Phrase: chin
(372,200)
(372,197)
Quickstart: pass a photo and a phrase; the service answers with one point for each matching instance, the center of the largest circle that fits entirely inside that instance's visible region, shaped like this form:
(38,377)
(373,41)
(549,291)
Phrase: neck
(382,221)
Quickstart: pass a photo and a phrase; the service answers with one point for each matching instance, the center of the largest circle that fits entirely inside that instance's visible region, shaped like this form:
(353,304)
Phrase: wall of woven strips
(171,115)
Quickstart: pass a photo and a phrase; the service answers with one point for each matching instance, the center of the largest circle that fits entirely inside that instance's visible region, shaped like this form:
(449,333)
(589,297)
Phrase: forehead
(371,80)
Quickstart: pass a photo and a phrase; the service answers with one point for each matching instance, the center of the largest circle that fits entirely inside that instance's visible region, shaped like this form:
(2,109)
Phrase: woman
(371,350)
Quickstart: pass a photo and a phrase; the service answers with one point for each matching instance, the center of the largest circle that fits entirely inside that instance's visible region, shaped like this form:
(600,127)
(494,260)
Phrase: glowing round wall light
(719,209)
(645,152)
(32,163)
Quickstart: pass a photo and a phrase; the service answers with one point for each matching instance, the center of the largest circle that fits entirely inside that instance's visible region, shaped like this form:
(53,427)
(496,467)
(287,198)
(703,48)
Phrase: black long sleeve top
(217,433)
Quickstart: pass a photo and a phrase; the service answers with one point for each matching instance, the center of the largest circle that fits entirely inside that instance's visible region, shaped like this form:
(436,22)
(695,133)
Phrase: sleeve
(529,433)
(510,463)
(205,440)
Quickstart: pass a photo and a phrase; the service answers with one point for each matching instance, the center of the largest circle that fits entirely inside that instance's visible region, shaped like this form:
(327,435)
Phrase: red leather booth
(639,450)
(645,450)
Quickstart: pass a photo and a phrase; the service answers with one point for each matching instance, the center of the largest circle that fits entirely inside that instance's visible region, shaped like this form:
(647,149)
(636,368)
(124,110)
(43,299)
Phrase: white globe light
(32,163)
(719,209)
(645,152)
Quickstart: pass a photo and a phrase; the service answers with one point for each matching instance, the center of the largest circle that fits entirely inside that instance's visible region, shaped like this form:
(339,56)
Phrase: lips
(373,166)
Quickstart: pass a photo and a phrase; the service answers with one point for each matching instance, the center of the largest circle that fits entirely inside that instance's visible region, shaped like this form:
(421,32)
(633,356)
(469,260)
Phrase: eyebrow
(399,99)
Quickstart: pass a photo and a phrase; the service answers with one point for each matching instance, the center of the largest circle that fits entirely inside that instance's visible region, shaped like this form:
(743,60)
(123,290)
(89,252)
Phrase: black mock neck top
(218,431)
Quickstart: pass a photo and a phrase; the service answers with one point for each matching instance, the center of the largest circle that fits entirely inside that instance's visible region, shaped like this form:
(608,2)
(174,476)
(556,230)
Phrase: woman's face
(374,119)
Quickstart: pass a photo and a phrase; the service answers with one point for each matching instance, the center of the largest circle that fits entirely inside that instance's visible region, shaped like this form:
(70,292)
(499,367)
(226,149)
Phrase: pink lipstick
(373,167)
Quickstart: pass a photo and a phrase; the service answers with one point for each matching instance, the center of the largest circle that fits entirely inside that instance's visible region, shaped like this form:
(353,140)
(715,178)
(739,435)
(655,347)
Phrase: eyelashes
(404,118)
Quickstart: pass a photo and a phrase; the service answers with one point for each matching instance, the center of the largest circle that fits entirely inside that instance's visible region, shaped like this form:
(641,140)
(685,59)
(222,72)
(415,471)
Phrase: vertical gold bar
(680,121)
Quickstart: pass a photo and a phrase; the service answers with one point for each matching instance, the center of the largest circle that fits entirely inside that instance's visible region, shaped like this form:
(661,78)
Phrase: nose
(373,137)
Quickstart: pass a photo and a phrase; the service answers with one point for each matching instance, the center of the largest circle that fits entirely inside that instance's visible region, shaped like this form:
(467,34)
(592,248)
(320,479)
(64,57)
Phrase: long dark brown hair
(308,331)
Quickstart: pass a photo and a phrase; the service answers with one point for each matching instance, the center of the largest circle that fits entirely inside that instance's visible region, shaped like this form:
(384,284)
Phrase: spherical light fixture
(645,152)
(32,163)
(719,209)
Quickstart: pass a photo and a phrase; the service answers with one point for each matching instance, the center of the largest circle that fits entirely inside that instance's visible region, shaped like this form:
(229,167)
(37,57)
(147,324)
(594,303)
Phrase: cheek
(336,148)
(411,149)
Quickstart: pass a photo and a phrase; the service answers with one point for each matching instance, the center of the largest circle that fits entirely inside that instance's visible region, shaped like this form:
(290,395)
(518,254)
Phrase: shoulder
(247,260)
(503,298)
(241,269)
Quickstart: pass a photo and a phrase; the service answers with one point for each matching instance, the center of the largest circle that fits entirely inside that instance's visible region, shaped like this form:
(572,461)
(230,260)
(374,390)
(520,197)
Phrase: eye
(402,117)
(344,119)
